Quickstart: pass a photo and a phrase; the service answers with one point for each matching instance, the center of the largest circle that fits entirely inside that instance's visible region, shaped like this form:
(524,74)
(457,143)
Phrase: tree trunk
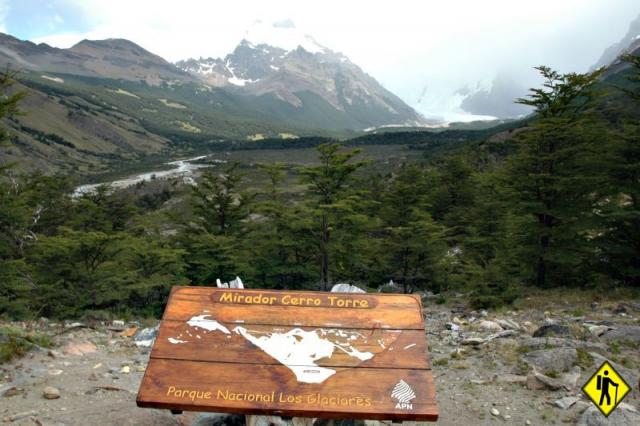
(324,253)
(541,269)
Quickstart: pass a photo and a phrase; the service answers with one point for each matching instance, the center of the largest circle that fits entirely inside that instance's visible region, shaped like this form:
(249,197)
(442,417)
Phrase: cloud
(285,23)
(4,10)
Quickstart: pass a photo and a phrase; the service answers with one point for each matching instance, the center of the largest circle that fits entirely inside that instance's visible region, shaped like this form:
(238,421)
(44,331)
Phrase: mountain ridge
(325,89)
(258,69)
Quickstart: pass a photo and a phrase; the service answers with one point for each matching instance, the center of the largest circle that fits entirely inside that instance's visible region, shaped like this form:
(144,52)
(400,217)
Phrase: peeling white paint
(297,349)
(176,341)
(351,351)
(208,324)
(409,346)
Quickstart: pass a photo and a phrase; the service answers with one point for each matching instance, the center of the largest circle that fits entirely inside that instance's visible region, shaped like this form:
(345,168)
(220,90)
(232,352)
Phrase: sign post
(294,354)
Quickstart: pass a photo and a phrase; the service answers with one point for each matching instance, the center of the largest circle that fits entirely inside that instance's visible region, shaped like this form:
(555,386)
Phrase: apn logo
(404,394)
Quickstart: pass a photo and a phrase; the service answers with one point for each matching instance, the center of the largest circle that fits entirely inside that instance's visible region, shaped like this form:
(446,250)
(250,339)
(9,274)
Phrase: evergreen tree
(278,241)
(550,181)
(414,244)
(214,237)
(328,184)
(619,205)
(16,217)
(218,204)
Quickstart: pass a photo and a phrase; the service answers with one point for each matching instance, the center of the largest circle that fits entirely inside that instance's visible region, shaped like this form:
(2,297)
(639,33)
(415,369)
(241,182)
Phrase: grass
(441,362)
(15,343)
(614,347)
(548,416)
(577,301)
(553,374)
(463,365)
(631,344)
(584,360)
(511,352)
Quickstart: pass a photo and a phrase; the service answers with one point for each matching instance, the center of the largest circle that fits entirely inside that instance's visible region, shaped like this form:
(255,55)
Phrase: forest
(554,204)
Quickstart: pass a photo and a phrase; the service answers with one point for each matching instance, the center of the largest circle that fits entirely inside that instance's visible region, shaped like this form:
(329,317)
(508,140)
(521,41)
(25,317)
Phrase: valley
(214,153)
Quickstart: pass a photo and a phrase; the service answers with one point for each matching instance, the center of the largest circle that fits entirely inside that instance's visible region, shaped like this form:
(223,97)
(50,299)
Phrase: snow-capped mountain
(279,60)
(276,76)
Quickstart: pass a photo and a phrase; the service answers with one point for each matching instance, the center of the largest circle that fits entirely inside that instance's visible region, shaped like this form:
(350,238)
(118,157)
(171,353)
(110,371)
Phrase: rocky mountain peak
(282,34)
(281,61)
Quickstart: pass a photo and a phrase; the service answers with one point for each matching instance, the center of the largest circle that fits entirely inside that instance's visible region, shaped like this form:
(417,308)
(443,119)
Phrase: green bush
(14,342)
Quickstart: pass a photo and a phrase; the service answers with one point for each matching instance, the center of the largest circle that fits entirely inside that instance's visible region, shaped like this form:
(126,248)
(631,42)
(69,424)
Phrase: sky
(423,51)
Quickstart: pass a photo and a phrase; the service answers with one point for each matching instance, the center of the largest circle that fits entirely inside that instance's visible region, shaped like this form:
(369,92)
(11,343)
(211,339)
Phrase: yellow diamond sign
(606,388)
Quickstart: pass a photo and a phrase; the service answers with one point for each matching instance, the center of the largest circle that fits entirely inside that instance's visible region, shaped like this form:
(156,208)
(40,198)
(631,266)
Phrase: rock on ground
(627,333)
(552,330)
(619,417)
(51,393)
(548,360)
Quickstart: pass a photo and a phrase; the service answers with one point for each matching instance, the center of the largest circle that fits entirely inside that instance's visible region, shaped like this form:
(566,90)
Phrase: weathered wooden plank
(309,354)
(389,348)
(334,310)
(363,393)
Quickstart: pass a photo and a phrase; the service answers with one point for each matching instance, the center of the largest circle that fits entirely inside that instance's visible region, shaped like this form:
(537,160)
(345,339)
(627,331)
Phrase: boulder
(265,421)
(9,391)
(621,308)
(619,417)
(145,337)
(79,348)
(538,381)
(596,330)
(570,380)
(624,371)
(545,342)
(566,402)
(547,360)
(458,321)
(552,330)
(346,288)
(630,333)
(218,419)
(451,326)
(508,324)
(117,325)
(22,415)
(473,341)
(501,335)
(491,326)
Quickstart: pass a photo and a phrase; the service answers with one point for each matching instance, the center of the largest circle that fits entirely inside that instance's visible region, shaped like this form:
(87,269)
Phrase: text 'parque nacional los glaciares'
(314,398)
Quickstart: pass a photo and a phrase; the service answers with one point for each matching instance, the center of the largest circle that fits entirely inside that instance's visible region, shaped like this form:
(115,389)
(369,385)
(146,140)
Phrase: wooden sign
(294,354)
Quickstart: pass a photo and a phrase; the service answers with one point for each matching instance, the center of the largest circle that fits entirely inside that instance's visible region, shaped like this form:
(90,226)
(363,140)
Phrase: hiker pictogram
(606,388)
(602,384)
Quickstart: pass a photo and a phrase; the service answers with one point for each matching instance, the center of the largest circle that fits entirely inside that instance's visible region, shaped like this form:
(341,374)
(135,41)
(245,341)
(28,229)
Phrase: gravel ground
(488,368)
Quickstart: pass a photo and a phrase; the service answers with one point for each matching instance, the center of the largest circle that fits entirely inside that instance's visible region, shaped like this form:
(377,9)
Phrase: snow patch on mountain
(279,60)
(241,81)
(283,34)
